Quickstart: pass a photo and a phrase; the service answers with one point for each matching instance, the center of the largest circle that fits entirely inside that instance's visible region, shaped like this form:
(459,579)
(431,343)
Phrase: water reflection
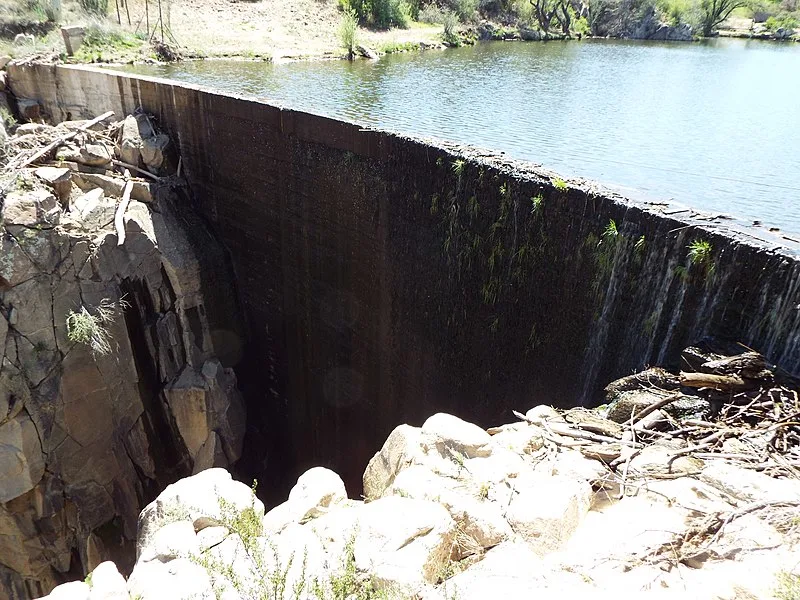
(715,125)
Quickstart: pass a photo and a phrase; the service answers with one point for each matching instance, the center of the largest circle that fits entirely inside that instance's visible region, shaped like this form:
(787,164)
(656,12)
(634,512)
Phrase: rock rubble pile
(450,510)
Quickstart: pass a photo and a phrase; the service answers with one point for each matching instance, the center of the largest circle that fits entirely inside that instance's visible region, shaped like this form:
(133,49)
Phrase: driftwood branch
(722,383)
(119,163)
(119,216)
(64,138)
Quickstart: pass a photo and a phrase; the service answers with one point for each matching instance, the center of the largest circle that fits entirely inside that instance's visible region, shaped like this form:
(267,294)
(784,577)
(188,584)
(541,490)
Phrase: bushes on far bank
(380,13)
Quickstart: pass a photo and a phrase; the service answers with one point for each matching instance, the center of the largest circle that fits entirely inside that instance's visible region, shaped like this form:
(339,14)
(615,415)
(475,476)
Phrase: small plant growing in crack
(560,184)
(700,256)
(90,327)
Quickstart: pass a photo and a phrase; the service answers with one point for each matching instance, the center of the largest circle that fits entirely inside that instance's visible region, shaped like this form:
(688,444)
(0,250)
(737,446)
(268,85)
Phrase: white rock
(514,571)
(196,498)
(108,583)
(400,450)
(457,435)
(74,590)
(545,511)
(748,485)
(316,491)
(543,413)
(520,439)
(179,579)
(572,464)
(403,543)
(479,519)
(500,465)
(209,537)
(174,540)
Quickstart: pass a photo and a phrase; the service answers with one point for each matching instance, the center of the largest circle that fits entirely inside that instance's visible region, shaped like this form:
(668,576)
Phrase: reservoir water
(713,125)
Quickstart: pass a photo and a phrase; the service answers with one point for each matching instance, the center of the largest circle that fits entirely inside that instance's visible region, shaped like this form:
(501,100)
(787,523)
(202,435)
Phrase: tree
(716,11)
(546,11)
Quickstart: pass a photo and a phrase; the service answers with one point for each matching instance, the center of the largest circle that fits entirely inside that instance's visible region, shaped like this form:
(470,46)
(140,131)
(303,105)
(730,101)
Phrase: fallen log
(64,138)
(119,216)
(721,383)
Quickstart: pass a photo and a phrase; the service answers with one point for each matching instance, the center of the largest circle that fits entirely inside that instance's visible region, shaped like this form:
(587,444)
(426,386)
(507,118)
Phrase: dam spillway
(383,278)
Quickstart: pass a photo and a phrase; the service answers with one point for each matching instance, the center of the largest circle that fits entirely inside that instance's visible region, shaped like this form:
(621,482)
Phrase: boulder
(480,522)
(58,179)
(91,154)
(400,450)
(748,485)
(316,492)
(530,35)
(112,186)
(179,579)
(130,143)
(366,52)
(403,543)
(545,511)
(152,151)
(35,208)
(196,499)
(573,464)
(74,590)
(673,33)
(93,210)
(633,401)
(513,570)
(28,128)
(521,439)
(173,540)
(541,414)
(661,459)
(452,434)
(205,402)
(108,583)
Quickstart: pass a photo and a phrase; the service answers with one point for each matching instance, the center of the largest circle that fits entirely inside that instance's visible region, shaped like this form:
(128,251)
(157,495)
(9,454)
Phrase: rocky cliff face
(110,383)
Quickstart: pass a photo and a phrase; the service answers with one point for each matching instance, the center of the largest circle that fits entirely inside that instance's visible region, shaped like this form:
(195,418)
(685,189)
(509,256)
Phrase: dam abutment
(383,278)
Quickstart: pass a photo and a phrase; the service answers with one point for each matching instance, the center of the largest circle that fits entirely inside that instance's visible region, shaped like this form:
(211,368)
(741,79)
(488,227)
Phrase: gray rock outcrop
(89,434)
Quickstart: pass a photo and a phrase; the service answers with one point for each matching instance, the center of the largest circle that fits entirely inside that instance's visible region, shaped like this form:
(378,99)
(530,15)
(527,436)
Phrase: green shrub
(780,22)
(466,10)
(581,25)
(450,33)
(431,13)
(387,13)
(348,33)
(91,327)
(380,13)
(788,586)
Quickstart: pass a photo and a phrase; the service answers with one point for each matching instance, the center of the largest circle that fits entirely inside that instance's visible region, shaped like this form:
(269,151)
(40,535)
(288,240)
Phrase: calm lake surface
(713,125)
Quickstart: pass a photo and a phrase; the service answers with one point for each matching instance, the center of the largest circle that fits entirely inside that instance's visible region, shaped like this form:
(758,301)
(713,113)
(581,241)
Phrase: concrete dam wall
(384,278)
